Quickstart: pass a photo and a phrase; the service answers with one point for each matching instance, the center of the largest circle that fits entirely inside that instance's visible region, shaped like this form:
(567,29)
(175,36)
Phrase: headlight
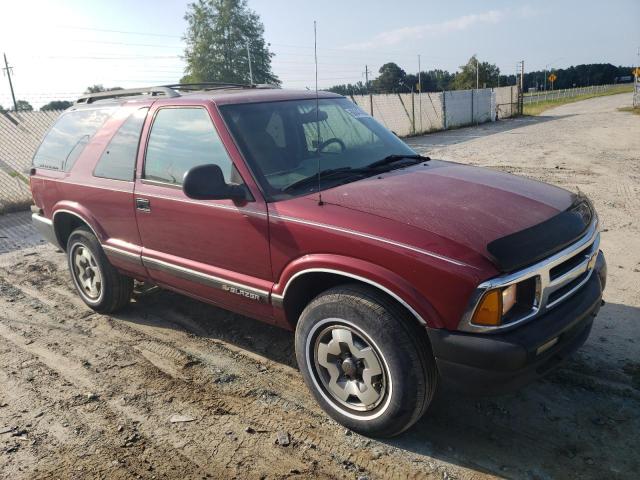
(500,305)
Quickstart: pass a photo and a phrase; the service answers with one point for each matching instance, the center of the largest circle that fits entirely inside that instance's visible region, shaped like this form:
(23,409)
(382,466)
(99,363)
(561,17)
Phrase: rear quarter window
(66,140)
(119,158)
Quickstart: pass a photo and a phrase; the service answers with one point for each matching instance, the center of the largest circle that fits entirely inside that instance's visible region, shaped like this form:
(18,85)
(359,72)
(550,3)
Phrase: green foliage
(578,76)
(217,35)
(1,108)
(483,74)
(358,88)
(431,80)
(56,105)
(24,106)
(391,79)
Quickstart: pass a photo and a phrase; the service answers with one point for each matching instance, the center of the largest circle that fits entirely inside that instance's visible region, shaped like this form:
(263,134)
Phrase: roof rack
(200,86)
(168,91)
(151,91)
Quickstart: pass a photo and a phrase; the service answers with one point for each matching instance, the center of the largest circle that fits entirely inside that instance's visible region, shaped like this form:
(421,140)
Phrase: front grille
(556,279)
(565,289)
(569,264)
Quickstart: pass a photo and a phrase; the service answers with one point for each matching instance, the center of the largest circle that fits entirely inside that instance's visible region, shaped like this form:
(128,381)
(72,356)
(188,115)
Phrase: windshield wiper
(389,159)
(329,172)
(350,171)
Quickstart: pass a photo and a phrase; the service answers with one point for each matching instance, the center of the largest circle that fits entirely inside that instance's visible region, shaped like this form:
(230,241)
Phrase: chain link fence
(20,135)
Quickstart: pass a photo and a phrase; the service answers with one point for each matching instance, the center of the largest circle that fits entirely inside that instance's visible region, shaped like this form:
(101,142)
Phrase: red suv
(395,271)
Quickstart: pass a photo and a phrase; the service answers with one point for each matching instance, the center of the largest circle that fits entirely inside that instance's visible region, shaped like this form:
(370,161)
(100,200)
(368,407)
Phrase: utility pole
(477,74)
(8,69)
(249,58)
(521,87)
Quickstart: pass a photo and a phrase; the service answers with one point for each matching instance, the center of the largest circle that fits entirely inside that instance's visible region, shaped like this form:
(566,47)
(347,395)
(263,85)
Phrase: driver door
(213,249)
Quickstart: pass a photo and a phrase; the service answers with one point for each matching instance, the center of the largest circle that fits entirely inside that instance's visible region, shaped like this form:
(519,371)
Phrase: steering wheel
(328,142)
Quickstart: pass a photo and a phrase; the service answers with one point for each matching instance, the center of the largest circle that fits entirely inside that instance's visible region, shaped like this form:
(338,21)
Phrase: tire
(367,363)
(99,284)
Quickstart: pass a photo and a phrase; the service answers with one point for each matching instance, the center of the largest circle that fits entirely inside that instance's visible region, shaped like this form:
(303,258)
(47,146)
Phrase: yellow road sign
(636,72)
(552,77)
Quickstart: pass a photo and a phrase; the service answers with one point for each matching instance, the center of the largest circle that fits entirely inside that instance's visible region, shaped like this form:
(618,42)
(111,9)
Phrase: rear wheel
(99,284)
(369,366)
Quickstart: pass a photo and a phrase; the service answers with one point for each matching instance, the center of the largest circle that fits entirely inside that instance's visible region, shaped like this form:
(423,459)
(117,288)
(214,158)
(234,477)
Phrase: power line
(149,34)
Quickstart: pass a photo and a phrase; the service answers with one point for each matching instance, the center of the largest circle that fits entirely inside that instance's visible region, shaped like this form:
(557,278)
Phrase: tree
(487,75)
(97,88)
(391,79)
(24,106)
(1,108)
(217,36)
(358,88)
(56,105)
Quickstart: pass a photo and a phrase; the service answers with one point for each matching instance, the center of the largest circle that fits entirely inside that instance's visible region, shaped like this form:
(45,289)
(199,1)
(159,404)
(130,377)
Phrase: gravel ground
(173,388)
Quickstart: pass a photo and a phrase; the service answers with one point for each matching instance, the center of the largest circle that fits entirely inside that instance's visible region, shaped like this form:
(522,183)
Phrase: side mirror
(206,182)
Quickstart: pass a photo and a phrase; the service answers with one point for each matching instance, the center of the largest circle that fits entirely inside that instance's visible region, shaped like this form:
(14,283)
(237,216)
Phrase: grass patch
(635,110)
(538,108)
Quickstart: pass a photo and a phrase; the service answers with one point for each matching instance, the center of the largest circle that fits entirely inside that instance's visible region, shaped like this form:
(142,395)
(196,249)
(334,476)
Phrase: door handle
(143,204)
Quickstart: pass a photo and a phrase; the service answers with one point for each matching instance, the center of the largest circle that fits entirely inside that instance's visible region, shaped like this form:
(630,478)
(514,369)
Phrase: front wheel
(369,366)
(99,284)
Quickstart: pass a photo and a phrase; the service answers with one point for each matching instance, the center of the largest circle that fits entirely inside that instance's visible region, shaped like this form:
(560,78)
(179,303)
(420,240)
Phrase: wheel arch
(66,219)
(298,286)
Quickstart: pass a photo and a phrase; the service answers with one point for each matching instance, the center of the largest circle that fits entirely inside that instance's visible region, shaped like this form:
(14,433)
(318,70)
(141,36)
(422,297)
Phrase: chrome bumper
(45,228)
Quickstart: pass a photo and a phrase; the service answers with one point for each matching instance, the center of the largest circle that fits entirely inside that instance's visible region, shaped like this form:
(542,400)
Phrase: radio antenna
(315,55)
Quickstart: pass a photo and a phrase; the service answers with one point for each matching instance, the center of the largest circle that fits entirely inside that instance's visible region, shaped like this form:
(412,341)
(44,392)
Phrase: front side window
(67,138)
(287,142)
(118,161)
(183,138)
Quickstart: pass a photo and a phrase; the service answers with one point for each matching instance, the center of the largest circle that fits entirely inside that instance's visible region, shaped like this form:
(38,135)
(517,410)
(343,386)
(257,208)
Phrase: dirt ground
(173,388)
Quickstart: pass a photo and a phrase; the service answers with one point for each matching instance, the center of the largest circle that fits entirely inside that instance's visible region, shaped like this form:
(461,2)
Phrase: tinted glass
(182,138)
(119,159)
(65,141)
(285,142)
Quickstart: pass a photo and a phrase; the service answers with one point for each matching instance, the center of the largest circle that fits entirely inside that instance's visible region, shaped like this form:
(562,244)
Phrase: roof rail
(207,86)
(204,86)
(151,91)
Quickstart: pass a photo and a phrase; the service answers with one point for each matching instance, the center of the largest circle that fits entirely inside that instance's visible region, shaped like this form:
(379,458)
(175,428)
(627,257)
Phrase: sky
(58,48)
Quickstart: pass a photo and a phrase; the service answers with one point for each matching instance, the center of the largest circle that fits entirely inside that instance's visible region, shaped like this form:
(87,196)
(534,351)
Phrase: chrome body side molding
(122,254)
(206,279)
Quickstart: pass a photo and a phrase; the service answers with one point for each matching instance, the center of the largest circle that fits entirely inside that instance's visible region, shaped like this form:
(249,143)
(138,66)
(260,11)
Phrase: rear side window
(180,139)
(65,141)
(119,158)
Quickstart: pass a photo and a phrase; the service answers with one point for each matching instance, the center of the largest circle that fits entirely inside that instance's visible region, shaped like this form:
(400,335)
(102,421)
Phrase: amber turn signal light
(489,310)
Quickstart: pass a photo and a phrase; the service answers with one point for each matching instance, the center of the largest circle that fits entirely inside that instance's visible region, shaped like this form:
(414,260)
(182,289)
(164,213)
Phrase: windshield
(286,142)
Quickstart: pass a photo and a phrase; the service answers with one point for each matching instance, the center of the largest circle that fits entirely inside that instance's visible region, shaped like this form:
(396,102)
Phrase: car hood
(468,205)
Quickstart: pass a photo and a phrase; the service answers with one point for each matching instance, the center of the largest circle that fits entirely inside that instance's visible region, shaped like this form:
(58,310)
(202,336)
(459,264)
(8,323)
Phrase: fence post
(413,113)
(472,90)
(444,109)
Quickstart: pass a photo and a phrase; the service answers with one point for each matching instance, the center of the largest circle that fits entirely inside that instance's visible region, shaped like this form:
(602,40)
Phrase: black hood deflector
(528,246)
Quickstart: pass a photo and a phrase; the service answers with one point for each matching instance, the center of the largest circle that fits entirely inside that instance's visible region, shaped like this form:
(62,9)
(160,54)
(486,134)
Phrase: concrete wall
(413,114)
